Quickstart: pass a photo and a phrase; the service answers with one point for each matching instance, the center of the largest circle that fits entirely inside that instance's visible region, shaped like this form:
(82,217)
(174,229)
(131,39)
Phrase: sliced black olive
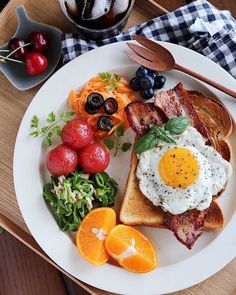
(105,123)
(90,110)
(95,100)
(110,106)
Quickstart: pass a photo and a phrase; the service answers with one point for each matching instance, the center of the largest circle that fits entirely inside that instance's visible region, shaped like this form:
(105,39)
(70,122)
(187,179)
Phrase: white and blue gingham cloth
(175,27)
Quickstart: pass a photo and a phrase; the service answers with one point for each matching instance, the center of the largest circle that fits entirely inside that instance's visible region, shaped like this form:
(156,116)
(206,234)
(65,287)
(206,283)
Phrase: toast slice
(136,209)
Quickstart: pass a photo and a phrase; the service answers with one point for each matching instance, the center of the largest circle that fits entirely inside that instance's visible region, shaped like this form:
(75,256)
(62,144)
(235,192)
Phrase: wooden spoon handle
(206,80)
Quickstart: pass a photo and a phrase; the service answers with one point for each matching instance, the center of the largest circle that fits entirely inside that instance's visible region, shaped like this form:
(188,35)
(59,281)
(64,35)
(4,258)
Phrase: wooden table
(13,104)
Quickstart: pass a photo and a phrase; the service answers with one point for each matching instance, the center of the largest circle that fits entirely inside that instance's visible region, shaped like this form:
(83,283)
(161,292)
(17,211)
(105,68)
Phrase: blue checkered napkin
(176,27)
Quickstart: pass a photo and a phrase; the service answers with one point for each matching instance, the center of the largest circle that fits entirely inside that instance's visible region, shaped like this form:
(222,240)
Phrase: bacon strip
(176,102)
(168,102)
(141,115)
(187,227)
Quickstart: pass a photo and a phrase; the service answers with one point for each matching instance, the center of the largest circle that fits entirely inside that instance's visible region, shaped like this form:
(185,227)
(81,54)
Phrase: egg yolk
(178,167)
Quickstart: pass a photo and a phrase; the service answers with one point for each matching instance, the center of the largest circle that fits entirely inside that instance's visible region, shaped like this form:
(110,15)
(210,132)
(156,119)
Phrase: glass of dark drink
(98,19)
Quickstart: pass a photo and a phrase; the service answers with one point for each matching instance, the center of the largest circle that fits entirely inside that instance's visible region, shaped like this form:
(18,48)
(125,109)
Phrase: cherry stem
(10,54)
(4,50)
(3,58)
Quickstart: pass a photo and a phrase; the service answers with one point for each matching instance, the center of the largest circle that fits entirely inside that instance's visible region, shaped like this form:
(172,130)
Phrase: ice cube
(119,6)
(96,9)
(100,8)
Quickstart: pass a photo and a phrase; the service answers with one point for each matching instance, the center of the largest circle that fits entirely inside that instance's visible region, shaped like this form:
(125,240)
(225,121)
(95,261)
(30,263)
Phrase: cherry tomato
(36,63)
(94,158)
(62,161)
(77,134)
(39,41)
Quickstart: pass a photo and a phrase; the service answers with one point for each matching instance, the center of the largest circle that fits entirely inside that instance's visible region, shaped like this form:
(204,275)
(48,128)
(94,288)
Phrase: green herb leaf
(56,130)
(51,128)
(145,143)
(120,130)
(177,125)
(109,143)
(69,114)
(111,80)
(113,86)
(34,133)
(51,118)
(105,76)
(34,123)
(43,130)
(1,230)
(165,136)
(126,146)
(116,77)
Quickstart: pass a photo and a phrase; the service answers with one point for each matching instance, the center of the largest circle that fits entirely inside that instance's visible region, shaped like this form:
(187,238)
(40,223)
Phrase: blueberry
(134,84)
(146,82)
(153,75)
(147,93)
(150,71)
(142,71)
(159,82)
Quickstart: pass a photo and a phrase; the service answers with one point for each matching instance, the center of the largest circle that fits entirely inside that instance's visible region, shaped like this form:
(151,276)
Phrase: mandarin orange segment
(92,232)
(131,249)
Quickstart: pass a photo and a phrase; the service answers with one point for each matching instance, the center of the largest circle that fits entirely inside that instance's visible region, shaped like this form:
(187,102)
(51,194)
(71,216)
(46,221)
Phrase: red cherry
(36,63)
(21,52)
(39,41)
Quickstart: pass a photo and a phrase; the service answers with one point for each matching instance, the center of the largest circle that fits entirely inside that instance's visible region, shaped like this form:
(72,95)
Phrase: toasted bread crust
(136,209)
(216,118)
(214,219)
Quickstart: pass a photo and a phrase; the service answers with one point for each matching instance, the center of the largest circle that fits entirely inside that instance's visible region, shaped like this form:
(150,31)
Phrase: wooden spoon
(158,58)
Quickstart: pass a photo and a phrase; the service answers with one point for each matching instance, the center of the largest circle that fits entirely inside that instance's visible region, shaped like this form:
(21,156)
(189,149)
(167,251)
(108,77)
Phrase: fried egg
(183,176)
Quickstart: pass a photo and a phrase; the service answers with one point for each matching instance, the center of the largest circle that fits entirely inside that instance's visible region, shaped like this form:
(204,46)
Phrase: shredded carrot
(123,94)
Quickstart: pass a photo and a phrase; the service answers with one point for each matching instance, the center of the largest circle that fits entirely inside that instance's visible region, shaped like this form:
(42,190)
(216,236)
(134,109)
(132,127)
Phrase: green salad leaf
(72,197)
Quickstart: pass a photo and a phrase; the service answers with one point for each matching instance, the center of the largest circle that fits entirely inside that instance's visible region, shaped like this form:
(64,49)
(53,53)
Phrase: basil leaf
(145,143)
(126,146)
(109,143)
(165,136)
(177,125)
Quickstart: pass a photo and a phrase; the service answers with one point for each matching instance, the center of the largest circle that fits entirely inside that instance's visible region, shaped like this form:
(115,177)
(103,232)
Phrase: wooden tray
(14,103)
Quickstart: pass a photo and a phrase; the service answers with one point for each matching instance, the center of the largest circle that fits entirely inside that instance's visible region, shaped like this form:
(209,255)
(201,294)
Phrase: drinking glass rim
(62,3)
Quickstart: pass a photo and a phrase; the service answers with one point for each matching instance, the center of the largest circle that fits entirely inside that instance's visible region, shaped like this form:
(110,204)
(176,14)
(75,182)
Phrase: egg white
(214,172)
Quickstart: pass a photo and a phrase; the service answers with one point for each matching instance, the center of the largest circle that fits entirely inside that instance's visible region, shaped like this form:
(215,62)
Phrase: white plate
(179,267)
